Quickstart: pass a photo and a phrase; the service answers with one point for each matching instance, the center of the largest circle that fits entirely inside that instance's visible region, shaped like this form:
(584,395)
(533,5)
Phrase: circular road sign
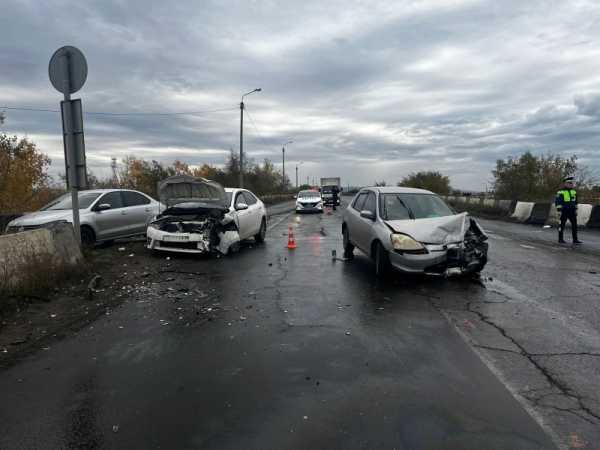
(67,69)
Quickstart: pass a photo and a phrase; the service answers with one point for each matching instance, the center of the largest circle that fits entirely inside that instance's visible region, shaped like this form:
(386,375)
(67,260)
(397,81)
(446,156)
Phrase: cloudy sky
(366,90)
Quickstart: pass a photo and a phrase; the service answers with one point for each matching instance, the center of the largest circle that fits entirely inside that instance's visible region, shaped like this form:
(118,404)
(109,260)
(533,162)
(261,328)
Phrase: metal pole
(283,179)
(296,176)
(70,153)
(241,144)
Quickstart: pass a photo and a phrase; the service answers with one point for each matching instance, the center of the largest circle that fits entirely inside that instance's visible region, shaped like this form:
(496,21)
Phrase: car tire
(348,247)
(260,237)
(382,261)
(88,237)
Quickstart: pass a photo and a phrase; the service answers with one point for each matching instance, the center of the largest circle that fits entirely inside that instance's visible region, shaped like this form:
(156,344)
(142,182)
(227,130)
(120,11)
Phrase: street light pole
(297,165)
(283,164)
(242,136)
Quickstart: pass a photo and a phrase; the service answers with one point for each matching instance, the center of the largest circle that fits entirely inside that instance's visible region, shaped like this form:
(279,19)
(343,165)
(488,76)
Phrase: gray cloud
(368,91)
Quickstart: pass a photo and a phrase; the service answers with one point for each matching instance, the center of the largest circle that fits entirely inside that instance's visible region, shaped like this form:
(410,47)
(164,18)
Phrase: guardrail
(537,213)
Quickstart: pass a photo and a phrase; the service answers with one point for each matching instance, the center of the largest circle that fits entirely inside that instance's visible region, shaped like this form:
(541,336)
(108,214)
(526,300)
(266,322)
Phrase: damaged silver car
(200,219)
(412,230)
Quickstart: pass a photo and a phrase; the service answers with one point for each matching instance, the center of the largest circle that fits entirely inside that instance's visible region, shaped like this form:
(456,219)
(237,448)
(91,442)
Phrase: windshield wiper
(410,213)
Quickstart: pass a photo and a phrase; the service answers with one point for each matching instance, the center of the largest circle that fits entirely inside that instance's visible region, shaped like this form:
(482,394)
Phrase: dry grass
(35,280)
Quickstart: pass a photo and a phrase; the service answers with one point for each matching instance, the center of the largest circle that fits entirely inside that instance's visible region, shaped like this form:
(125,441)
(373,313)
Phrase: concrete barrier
(50,251)
(506,206)
(594,221)
(489,202)
(522,211)
(584,212)
(584,216)
(539,213)
(553,216)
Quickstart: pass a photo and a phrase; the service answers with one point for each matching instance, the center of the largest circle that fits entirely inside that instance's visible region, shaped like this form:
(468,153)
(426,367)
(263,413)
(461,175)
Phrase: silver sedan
(412,230)
(105,214)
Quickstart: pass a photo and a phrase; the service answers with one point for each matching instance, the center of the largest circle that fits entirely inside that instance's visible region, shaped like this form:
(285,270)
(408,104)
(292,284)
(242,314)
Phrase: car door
(255,212)
(139,211)
(243,216)
(352,217)
(364,226)
(110,223)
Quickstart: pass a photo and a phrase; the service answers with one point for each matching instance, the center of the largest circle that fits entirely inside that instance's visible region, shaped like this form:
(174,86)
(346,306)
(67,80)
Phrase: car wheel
(348,247)
(88,237)
(382,261)
(260,237)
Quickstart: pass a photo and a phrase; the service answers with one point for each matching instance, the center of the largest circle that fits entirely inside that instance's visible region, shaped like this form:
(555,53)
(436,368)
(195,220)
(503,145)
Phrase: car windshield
(229,194)
(327,189)
(307,194)
(64,201)
(412,206)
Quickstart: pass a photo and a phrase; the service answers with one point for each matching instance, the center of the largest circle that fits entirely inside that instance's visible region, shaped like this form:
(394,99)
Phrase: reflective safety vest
(566,198)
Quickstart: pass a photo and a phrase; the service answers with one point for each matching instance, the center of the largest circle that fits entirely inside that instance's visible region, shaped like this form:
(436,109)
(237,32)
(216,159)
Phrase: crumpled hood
(185,188)
(435,230)
(41,217)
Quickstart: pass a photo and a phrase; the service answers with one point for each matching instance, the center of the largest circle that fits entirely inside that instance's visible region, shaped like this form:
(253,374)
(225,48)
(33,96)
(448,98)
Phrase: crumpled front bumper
(177,242)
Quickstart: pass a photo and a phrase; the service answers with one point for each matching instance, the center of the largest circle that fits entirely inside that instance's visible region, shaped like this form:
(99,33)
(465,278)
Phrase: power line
(99,113)
(255,127)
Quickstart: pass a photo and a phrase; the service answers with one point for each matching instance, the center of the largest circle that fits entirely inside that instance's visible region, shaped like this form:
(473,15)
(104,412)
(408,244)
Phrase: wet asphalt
(280,349)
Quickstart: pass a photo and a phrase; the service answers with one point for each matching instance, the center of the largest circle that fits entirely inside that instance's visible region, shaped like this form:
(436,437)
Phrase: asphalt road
(279,349)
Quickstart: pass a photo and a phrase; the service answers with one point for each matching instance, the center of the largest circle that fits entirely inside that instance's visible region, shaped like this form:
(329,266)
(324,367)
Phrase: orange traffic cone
(291,241)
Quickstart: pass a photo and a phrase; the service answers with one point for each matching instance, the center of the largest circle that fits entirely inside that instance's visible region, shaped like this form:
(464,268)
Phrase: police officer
(566,204)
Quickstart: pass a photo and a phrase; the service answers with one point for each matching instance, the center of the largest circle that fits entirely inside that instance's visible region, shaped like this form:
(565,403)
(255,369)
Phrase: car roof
(102,191)
(398,190)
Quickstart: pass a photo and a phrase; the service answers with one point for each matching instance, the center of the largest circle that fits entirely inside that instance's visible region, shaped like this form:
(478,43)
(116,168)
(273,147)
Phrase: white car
(104,214)
(309,201)
(202,217)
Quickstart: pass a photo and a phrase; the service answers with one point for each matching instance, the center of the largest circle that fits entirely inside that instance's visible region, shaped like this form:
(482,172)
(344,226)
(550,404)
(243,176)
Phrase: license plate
(176,238)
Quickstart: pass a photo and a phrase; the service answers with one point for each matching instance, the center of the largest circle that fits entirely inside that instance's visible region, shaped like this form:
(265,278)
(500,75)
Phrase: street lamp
(242,135)
(297,165)
(283,159)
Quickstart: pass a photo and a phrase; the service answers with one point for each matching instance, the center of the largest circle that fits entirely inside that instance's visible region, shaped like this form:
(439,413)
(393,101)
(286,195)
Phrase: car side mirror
(102,207)
(241,206)
(367,214)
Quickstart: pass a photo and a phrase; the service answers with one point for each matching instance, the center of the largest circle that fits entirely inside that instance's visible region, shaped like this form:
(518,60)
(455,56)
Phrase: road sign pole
(67,72)
(69,146)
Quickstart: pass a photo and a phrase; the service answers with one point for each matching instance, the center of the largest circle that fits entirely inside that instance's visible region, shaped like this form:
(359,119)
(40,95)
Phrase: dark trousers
(571,216)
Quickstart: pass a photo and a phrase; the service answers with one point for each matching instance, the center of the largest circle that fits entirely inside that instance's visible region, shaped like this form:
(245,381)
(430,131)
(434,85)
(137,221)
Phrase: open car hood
(435,230)
(187,189)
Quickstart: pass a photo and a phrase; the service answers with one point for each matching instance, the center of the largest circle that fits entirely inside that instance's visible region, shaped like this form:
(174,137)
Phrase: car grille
(184,245)
(309,205)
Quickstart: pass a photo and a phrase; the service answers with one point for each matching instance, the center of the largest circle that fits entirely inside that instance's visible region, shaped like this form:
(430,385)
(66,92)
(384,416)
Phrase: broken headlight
(405,243)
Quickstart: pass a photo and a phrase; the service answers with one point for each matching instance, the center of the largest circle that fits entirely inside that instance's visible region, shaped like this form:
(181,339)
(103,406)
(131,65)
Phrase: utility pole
(296,176)
(242,136)
(115,177)
(241,164)
(283,163)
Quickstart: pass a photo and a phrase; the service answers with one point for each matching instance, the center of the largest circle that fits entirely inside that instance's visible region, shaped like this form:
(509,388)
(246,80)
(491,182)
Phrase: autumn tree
(536,178)
(23,175)
(142,175)
(431,180)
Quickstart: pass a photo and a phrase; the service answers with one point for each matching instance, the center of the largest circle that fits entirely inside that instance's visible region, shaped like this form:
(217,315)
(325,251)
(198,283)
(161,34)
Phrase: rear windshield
(307,194)
(412,206)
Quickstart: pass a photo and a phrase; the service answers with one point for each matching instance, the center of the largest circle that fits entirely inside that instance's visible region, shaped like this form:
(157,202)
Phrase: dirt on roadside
(36,321)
